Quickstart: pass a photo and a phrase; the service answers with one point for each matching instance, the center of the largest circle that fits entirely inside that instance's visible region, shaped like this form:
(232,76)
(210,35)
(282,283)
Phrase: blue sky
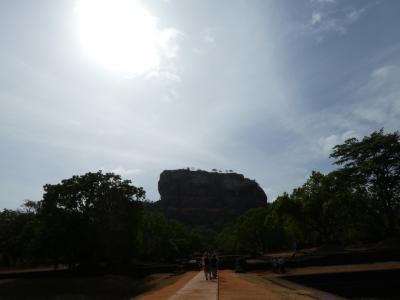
(264,88)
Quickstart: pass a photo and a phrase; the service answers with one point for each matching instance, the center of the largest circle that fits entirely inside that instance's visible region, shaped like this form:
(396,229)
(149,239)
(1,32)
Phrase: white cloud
(374,104)
(316,17)
(126,172)
(208,35)
(383,73)
(170,76)
(327,143)
(380,97)
(354,15)
(169,42)
(324,23)
(328,16)
(324,1)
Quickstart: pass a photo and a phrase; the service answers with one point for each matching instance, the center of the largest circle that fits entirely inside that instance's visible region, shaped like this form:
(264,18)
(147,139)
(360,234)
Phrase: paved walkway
(198,289)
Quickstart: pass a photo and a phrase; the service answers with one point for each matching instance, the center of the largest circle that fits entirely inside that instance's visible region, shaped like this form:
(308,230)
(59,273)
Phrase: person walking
(281,265)
(214,266)
(275,265)
(206,265)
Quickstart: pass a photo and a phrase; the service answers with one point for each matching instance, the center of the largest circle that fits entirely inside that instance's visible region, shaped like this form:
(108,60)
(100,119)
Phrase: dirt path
(167,291)
(233,286)
(251,286)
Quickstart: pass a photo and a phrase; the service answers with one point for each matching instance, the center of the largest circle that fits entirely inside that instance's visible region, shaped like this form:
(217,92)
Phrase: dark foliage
(359,202)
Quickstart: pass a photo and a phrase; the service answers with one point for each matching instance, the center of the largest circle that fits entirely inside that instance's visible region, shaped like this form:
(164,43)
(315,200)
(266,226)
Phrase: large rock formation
(207,198)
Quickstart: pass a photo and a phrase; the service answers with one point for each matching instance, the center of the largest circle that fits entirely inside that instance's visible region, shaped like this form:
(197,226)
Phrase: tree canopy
(88,218)
(373,164)
(358,202)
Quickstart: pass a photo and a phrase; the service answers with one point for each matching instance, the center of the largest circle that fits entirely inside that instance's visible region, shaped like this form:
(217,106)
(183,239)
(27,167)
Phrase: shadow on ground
(82,288)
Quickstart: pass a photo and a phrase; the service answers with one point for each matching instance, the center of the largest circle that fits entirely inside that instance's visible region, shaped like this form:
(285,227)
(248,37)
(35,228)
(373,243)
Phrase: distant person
(295,250)
(240,265)
(274,264)
(281,264)
(206,265)
(214,266)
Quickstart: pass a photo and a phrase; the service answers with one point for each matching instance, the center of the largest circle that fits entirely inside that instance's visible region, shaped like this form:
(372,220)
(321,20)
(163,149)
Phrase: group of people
(209,264)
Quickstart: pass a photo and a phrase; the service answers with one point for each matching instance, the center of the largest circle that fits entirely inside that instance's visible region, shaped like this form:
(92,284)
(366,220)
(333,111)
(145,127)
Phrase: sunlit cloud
(123,36)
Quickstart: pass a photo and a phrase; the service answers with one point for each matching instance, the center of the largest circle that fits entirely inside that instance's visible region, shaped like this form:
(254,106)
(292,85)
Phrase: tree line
(358,202)
(99,218)
(89,220)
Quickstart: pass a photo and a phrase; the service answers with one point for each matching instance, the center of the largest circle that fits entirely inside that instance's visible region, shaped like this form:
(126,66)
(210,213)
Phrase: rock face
(207,198)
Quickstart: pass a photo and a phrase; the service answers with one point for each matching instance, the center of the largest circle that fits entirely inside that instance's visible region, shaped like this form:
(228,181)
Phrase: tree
(313,197)
(18,238)
(250,230)
(226,239)
(374,166)
(90,218)
(161,238)
(345,210)
(284,223)
(12,224)
(329,210)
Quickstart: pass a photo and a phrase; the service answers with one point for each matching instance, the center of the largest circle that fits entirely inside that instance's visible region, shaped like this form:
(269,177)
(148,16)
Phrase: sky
(264,88)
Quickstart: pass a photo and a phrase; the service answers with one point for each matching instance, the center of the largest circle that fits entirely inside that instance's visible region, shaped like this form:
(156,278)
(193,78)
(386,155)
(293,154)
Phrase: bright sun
(120,35)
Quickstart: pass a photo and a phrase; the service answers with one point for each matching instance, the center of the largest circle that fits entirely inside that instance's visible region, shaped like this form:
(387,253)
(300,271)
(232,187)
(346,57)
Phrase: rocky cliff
(209,198)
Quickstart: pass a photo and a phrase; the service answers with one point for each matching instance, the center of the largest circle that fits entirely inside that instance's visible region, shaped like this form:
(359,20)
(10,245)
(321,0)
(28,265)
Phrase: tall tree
(165,239)
(313,198)
(88,218)
(250,230)
(18,238)
(374,165)
(285,223)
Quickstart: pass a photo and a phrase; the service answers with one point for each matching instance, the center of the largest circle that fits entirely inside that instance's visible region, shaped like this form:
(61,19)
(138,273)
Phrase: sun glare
(120,35)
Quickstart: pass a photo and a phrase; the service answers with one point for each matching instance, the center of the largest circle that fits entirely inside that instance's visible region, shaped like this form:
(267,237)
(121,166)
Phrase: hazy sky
(264,88)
